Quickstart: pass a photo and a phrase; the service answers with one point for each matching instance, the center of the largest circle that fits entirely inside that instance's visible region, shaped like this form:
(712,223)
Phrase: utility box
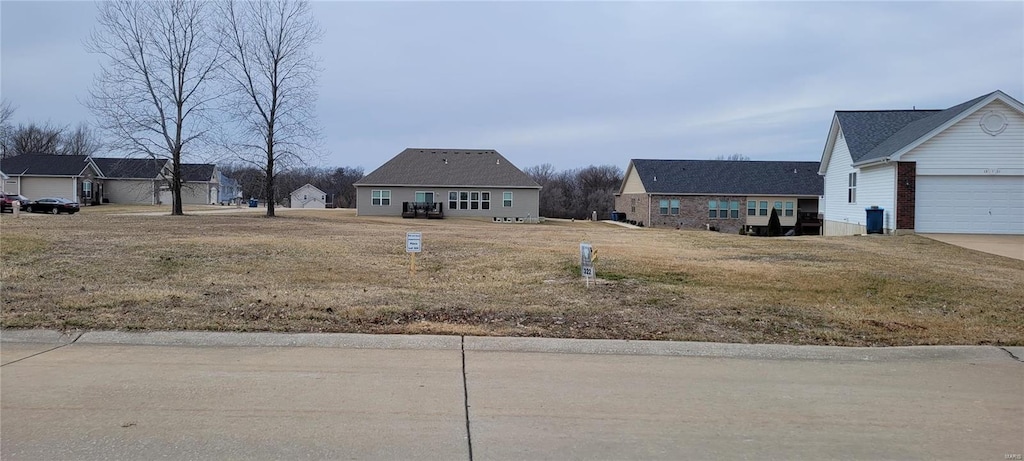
(875,219)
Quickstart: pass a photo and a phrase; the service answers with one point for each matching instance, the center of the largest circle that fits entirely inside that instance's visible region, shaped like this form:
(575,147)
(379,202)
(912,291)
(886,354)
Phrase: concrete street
(107,395)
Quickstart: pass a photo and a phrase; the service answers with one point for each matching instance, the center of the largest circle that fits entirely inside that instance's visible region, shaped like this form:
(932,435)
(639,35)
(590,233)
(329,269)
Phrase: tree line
(336,182)
(576,193)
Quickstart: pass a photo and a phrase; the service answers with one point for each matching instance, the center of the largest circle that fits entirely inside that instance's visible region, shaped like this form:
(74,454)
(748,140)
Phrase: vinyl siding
(314,198)
(875,187)
(130,191)
(964,149)
(633,184)
(198,193)
(525,202)
(758,220)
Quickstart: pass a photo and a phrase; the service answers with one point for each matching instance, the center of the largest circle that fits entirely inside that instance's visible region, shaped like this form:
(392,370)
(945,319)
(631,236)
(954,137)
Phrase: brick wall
(906,185)
(634,205)
(693,213)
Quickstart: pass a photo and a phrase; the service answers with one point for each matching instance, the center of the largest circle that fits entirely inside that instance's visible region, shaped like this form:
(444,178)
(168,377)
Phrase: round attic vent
(993,123)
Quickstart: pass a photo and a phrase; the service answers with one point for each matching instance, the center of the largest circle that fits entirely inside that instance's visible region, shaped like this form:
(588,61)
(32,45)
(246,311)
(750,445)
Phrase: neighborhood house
(308,196)
(722,195)
(958,170)
(449,182)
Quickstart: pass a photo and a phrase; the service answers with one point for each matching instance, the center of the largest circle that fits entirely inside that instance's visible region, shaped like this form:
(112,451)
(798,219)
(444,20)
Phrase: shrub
(774,226)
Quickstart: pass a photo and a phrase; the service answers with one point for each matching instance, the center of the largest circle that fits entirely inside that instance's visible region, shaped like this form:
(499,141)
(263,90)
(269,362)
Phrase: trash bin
(874,219)
(616,216)
(253,203)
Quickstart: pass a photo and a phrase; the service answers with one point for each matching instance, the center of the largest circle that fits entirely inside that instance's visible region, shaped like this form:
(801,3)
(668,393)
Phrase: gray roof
(44,165)
(197,172)
(130,168)
(874,135)
(727,177)
(448,167)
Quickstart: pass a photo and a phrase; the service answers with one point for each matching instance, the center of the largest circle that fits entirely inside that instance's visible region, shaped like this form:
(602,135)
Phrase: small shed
(309,196)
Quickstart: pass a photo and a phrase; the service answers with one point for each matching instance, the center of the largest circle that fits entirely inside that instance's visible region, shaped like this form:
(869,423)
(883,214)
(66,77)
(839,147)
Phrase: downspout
(895,197)
(650,203)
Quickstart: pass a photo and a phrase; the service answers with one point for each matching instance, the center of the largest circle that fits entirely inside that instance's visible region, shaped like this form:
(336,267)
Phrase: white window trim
(851,188)
(380,197)
(510,199)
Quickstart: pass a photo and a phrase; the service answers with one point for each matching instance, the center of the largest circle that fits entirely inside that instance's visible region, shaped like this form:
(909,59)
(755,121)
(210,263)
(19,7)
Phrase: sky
(584,83)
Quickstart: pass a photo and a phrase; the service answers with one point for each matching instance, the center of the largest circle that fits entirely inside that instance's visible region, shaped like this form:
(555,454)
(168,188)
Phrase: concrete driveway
(1011,246)
(104,395)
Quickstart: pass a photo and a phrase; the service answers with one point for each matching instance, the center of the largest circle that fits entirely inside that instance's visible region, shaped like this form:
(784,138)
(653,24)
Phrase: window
(506,199)
(734,209)
(789,208)
(632,205)
(751,208)
(663,206)
(381,198)
(485,200)
(851,196)
(463,200)
(474,200)
(712,209)
(763,209)
(453,200)
(87,189)
(675,207)
(425,197)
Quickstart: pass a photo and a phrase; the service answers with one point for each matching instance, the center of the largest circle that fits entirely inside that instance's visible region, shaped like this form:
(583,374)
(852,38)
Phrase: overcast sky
(575,84)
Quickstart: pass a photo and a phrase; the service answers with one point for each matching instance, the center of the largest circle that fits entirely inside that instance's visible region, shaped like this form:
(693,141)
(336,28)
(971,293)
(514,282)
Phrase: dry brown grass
(328,270)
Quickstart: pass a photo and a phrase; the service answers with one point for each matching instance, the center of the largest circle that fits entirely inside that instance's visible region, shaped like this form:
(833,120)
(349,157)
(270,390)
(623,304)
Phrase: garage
(969,204)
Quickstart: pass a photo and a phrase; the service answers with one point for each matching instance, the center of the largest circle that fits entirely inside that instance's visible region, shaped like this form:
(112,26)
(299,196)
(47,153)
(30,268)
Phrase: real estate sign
(413,242)
(587,261)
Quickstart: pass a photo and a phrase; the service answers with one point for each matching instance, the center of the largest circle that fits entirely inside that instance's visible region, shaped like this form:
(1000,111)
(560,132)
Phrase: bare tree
(154,90)
(36,139)
(82,141)
(272,72)
(733,157)
(6,128)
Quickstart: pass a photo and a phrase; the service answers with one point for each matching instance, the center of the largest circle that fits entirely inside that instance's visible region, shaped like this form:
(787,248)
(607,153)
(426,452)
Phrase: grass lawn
(112,267)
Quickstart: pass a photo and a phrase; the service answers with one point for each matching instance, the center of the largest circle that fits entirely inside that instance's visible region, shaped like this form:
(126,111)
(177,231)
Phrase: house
(133,180)
(957,170)
(199,185)
(308,196)
(455,182)
(74,177)
(230,189)
(721,194)
(3,182)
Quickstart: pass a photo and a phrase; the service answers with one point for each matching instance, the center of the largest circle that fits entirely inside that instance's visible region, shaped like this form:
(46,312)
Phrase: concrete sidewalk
(107,395)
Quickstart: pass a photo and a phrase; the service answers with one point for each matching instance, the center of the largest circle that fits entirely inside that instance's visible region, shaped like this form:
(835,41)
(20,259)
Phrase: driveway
(1011,246)
(188,395)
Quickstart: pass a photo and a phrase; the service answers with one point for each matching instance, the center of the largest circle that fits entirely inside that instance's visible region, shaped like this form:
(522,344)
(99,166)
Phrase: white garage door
(970,205)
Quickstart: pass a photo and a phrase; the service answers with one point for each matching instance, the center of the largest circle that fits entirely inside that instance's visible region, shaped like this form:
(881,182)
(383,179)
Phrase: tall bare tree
(272,72)
(82,141)
(36,139)
(6,127)
(155,88)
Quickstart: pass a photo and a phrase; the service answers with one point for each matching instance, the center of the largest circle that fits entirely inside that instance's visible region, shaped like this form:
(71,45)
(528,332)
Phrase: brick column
(906,186)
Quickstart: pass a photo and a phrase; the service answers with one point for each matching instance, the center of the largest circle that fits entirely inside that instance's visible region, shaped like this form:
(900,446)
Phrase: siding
(36,188)
(964,149)
(129,191)
(758,220)
(633,184)
(308,197)
(525,202)
(198,193)
(875,187)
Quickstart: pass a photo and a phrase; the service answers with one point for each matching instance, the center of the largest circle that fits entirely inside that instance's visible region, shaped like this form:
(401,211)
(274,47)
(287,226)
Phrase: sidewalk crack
(48,350)
(465,397)
(1019,359)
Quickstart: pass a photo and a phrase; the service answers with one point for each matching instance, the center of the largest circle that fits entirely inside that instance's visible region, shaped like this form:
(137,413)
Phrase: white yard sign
(413,242)
(587,262)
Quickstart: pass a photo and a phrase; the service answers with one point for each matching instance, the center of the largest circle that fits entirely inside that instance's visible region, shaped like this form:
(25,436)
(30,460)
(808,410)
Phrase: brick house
(721,194)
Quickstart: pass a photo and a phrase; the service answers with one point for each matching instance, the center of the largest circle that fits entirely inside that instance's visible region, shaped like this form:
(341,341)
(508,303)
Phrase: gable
(309,189)
(448,167)
(988,141)
(632,184)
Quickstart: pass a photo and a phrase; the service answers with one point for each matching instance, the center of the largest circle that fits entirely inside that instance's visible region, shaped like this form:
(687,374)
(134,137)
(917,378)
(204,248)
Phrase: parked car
(55,205)
(7,202)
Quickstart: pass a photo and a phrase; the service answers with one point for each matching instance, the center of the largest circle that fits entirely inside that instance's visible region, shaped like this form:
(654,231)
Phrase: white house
(309,196)
(958,170)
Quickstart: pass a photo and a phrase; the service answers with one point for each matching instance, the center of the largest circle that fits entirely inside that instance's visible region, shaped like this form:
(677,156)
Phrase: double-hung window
(674,206)
(453,200)
(851,191)
(763,209)
(474,200)
(663,206)
(734,209)
(485,200)
(751,208)
(463,200)
(789,208)
(380,198)
(506,199)
(712,208)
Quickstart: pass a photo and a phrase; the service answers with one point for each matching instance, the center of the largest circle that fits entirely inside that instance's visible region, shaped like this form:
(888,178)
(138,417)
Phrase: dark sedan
(55,205)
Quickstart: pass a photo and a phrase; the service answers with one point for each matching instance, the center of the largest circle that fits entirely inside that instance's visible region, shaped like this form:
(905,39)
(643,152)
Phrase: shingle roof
(44,165)
(130,168)
(197,172)
(729,177)
(872,135)
(448,167)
